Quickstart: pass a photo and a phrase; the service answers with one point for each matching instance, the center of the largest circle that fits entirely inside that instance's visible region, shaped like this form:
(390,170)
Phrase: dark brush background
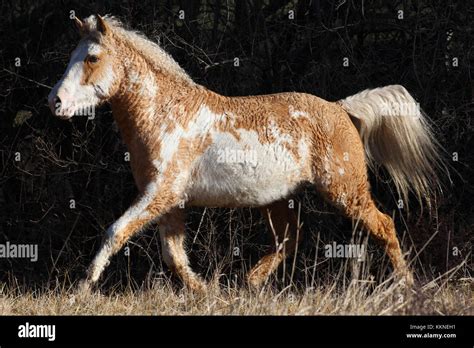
(84,159)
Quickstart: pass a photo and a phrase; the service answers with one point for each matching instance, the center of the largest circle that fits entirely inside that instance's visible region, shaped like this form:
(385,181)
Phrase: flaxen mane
(138,41)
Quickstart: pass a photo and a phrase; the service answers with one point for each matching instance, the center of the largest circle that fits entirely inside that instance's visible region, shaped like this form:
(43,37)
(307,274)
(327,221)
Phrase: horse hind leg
(344,183)
(282,224)
(361,207)
(382,228)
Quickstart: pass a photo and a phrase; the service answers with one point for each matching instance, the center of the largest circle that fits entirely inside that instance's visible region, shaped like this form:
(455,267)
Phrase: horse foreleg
(131,222)
(172,234)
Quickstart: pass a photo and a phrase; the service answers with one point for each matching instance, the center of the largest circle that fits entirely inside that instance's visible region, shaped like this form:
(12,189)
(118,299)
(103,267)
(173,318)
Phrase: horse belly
(235,173)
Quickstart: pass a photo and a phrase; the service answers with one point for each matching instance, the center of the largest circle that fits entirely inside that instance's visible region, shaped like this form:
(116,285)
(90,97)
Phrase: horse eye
(92,59)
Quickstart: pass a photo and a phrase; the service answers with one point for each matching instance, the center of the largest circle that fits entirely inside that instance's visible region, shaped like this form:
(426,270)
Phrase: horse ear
(79,24)
(102,25)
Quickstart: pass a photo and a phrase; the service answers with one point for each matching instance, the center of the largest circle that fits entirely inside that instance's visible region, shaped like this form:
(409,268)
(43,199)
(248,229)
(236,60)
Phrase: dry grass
(324,286)
(440,297)
(348,287)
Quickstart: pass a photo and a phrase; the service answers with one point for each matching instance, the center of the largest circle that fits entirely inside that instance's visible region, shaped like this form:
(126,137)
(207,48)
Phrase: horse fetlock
(84,287)
(196,284)
(405,277)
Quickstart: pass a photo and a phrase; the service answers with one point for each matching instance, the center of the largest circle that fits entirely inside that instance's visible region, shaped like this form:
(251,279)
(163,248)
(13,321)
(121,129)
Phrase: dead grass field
(438,297)
(323,287)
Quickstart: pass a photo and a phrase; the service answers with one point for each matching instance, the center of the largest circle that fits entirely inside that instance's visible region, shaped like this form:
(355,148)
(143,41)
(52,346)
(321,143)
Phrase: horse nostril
(57,101)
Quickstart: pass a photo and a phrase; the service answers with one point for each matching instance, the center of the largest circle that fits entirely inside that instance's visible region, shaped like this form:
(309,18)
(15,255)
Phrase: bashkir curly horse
(176,130)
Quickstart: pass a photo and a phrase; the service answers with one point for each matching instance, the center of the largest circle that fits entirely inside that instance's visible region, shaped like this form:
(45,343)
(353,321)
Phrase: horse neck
(150,100)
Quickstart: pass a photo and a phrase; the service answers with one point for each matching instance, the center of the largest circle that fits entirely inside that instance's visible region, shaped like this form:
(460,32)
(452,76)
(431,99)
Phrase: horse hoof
(405,279)
(84,287)
(199,288)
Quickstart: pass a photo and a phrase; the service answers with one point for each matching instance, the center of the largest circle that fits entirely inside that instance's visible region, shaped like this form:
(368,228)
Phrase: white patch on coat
(198,127)
(145,86)
(303,151)
(327,126)
(102,86)
(276,133)
(297,114)
(341,171)
(326,175)
(229,118)
(341,199)
(149,86)
(133,81)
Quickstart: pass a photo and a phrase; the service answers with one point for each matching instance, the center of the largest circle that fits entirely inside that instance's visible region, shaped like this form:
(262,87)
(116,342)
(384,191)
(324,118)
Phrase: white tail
(397,135)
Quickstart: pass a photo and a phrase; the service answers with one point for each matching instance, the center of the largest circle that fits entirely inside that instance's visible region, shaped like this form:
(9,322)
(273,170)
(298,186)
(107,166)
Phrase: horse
(178,134)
